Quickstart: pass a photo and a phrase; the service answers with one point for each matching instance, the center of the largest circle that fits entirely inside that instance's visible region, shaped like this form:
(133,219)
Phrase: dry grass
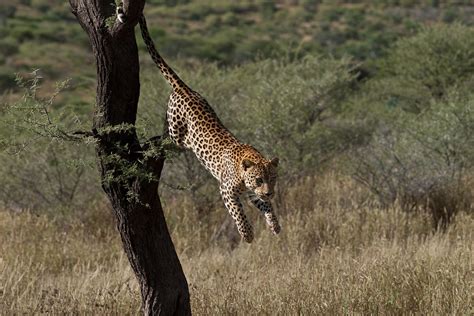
(337,254)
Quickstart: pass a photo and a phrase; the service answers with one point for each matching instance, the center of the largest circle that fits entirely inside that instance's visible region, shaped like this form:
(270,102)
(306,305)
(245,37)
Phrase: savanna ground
(335,255)
(369,107)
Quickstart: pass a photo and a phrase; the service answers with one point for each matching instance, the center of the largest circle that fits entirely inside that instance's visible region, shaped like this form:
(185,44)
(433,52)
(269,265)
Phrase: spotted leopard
(239,167)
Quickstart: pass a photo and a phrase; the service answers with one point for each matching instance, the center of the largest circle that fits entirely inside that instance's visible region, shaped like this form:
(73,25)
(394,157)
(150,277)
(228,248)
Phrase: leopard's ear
(275,162)
(247,164)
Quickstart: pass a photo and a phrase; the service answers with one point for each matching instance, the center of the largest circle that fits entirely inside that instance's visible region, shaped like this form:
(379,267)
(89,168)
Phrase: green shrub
(7,79)
(420,107)
(423,162)
(40,169)
(8,47)
(450,15)
(212,21)
(22,32)
(230,18)
(48,175)
(427,65)
(42,6)
(267,9)
(6,12)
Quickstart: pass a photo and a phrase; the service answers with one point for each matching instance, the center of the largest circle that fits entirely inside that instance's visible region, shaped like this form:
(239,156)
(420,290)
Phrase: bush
(8,47)
(422,153)
(424,162)
(427,65)
(6,12)
(48,176)
(7,79)
(23,32)
(41,168)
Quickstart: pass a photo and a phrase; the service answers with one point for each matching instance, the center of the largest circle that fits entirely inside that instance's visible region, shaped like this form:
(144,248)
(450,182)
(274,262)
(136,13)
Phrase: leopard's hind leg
(177,126)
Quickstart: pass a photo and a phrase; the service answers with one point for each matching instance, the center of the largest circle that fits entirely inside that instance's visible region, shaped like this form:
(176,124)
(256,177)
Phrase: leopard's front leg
(232,202)
(267,210)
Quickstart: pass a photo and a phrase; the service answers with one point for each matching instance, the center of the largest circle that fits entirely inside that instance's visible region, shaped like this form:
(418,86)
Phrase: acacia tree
(130,177)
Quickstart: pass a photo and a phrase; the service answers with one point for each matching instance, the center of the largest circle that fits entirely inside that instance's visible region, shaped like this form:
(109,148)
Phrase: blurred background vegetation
(379,91)
(368,105)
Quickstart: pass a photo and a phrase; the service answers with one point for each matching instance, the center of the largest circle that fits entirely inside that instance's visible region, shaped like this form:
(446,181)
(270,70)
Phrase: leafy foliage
(45,35)
(401,120)
(427,66)
(39,169)
(421,154)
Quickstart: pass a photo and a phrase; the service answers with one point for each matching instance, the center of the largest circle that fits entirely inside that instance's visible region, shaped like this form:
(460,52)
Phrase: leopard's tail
(166,70)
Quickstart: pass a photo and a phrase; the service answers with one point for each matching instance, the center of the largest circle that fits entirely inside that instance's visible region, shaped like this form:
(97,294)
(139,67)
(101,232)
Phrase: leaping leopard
(194,125)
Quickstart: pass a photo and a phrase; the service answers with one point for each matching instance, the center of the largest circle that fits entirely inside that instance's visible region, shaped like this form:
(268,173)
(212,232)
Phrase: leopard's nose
(269,194)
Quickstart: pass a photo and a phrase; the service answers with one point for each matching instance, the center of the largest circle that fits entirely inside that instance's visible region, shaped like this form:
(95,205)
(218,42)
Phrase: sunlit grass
(335,255)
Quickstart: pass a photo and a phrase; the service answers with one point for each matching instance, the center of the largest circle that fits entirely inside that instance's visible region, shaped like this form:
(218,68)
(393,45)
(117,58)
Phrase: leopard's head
(260,177)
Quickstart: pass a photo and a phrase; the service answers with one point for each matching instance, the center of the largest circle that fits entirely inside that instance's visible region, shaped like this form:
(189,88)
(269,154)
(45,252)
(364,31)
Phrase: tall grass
(338,253)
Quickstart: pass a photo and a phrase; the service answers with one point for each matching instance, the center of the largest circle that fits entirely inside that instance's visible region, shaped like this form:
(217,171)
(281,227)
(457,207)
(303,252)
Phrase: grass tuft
(335,255)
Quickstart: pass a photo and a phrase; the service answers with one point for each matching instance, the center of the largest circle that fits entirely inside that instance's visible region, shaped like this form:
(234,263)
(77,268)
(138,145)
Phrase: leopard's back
(193,124)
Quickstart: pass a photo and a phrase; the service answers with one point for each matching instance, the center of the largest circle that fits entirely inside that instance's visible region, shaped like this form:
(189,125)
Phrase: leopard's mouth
(265,197)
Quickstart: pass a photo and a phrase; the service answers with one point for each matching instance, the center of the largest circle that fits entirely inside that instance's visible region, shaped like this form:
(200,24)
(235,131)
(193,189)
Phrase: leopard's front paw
(275,228)
(247,235)
(272,222)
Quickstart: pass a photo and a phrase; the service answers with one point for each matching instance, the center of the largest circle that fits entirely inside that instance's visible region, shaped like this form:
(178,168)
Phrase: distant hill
(44,34)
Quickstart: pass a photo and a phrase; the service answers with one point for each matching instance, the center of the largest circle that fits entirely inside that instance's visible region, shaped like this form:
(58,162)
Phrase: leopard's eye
(259,181)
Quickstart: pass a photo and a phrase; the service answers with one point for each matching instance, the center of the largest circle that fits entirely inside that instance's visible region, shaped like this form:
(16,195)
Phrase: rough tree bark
(134,197)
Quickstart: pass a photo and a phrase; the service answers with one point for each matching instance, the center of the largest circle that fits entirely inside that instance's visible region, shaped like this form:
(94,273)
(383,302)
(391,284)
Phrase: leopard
(238,167)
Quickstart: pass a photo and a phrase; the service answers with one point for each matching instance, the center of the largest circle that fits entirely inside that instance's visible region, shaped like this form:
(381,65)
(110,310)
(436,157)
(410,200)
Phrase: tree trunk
(129,178)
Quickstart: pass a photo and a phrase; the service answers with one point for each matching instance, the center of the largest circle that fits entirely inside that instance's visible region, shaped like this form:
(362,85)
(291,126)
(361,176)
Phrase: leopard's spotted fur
(239,167)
